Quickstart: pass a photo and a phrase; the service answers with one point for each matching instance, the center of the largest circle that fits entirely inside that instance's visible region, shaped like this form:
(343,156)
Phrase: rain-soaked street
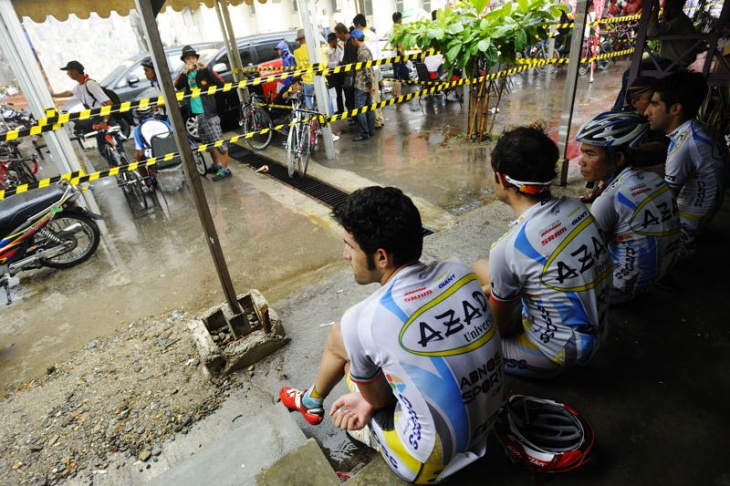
(274,237)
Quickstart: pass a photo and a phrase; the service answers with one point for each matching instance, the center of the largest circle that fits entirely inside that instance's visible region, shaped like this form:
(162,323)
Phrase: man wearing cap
(154,91)
(365,82)
(89,92)
(371,40)
(196,75)
(301,55)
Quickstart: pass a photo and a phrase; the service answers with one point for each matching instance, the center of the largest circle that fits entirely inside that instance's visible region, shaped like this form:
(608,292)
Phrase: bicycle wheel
(542,54)
(292,150)
(200,165)
(305,147)
(604,62)
(133,187)
(256,119)
(80,244)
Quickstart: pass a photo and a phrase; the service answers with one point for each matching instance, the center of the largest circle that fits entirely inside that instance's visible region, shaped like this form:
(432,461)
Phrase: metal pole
(320,89)
(566,114)
(231,45)
(173,112)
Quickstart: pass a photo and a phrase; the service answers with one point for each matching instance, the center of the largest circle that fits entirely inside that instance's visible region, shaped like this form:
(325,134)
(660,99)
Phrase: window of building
(427,5)
(296,5)
(368,7)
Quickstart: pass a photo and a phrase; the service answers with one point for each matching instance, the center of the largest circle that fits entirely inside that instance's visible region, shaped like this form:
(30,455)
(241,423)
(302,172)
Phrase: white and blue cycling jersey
(144,132)
(696,165)
(638,214)
(430,332)
(556,261)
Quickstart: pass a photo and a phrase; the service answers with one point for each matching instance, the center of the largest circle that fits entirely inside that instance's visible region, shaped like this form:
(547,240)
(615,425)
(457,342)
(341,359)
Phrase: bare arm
(62,94)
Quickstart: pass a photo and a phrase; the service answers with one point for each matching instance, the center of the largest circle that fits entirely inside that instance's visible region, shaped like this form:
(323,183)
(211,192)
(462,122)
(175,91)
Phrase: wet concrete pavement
(640,391)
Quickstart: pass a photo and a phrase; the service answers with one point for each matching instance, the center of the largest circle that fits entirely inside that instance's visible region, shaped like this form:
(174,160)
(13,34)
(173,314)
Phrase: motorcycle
(45,228)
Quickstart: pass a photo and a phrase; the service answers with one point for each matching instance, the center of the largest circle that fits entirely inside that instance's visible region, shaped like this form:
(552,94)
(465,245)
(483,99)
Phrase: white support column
(320,89)
(25,67)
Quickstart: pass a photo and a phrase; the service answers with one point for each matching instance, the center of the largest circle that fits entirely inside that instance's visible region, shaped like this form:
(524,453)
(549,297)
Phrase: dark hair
(359,19)
(383,217)
(331,36)
(296,79)
(526,154)
(397,16)
(640,86)
(341,28)
(686,88)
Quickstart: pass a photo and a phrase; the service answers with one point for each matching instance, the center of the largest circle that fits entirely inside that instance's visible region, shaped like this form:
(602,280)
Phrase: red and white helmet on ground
(545,435)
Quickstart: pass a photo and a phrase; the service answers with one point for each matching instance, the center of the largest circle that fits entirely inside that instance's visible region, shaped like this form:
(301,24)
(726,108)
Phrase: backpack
(113,96)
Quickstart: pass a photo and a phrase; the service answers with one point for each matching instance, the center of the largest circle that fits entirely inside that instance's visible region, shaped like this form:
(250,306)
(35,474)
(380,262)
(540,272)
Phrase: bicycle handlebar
(97,129)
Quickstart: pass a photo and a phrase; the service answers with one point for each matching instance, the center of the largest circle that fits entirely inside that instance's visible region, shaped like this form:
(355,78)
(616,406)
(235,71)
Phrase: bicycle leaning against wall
(303,133)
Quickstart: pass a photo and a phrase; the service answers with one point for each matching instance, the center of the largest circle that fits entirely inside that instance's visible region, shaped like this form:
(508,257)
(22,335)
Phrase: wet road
(275,238)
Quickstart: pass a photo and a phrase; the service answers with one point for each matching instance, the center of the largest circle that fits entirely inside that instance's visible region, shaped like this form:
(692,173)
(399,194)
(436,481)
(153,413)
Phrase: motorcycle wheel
(83,243)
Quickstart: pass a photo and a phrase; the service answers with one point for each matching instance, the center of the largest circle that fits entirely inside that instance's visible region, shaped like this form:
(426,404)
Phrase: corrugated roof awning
(39,10)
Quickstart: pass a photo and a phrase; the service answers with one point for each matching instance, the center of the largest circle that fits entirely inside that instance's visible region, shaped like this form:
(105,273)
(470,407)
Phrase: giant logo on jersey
(655,216)
(456,322)
(579,263)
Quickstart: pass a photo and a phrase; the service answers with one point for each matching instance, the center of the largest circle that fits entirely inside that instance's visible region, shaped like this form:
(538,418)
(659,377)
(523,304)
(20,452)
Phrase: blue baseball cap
(358,34)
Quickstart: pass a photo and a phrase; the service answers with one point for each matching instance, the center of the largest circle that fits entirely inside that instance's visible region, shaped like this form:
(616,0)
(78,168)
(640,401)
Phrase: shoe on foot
(222,174)
(335,138)
(362,436)
(292,399)
(360,138)
(213,169)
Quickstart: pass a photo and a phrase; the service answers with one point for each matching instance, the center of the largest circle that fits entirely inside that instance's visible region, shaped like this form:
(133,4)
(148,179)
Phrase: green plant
(468,37)
(473,39)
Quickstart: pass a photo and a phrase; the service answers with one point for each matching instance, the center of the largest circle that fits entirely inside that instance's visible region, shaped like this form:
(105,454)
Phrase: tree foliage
(468,35)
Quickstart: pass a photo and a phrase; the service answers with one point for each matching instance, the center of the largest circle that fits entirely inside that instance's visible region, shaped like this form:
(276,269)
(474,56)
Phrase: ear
(620,160)
(500,180)
(676,109)
(383,259)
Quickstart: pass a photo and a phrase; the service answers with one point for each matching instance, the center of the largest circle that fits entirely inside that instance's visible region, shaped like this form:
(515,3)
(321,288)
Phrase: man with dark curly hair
(421,355)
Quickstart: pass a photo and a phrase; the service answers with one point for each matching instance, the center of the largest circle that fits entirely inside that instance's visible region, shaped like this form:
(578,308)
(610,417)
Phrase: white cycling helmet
(545,435)
(614,129)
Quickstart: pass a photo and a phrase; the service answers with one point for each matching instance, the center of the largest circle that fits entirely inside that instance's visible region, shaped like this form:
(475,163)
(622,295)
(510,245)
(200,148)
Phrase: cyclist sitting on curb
(549,277)
(421,355)
(636,211)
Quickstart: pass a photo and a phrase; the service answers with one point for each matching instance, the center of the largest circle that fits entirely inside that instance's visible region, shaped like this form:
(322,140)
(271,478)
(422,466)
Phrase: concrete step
(269,449)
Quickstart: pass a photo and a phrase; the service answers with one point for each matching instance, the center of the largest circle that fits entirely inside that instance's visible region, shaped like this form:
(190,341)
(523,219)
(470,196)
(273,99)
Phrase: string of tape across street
(54,120)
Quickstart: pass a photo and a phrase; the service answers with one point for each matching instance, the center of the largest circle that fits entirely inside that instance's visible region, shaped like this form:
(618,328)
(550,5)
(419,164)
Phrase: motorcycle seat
(14,210)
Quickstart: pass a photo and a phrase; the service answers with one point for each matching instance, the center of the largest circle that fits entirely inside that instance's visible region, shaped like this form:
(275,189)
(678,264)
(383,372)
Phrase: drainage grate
(311,186)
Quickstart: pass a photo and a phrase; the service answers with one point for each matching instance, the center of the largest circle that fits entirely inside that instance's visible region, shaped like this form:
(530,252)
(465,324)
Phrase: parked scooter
(45,228)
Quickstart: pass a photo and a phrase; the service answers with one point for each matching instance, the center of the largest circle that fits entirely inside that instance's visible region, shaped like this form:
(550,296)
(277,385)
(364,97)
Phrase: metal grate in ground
(321,191)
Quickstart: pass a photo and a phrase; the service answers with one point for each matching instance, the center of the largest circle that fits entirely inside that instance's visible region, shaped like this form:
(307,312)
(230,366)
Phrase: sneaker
(213,169)
(335,138)
(292,399)
(362,436)
(222,174)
